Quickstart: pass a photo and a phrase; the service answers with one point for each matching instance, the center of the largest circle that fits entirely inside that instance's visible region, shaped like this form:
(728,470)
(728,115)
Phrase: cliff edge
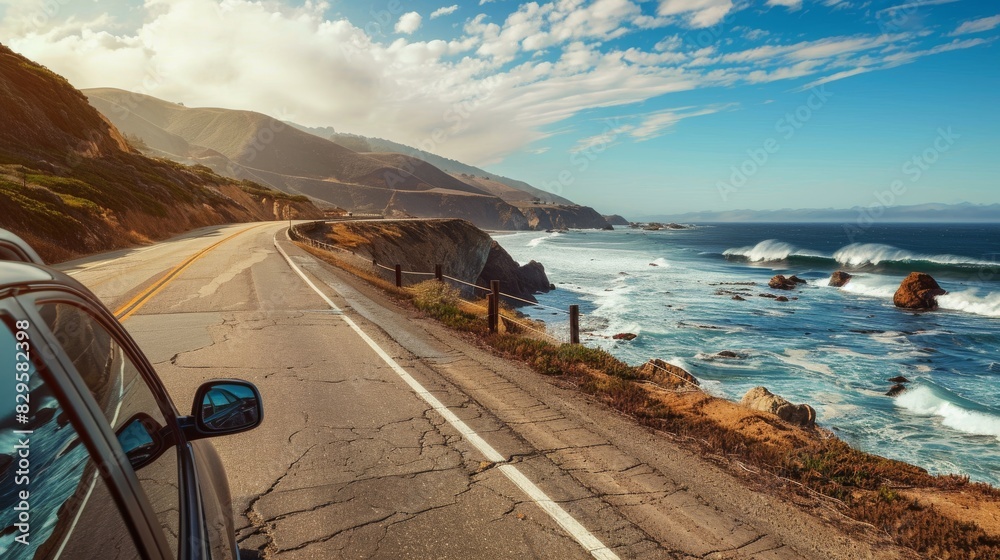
(463,251)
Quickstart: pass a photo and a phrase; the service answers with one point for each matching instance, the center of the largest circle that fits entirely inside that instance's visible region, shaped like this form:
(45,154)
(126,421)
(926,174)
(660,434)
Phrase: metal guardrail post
(494,306)
(574,324)
(438,273)
(399,276)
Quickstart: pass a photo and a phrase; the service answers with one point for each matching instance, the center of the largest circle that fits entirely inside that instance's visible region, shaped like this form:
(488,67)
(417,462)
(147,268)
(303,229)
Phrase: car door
(128,394)
(61,491)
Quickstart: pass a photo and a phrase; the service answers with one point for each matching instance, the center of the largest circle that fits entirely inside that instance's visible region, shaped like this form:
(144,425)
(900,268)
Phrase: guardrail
(494,295)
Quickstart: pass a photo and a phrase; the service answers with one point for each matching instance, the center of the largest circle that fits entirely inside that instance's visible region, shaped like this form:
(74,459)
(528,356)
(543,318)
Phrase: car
(95,460)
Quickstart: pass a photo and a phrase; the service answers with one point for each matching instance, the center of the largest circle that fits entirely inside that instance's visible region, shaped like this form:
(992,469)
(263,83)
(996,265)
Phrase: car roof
(13,248)
(19,274)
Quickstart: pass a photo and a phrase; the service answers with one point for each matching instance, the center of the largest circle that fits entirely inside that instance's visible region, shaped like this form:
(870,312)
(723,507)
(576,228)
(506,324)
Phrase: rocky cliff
(463,250)
(543,217)
(523,281)
(487,212)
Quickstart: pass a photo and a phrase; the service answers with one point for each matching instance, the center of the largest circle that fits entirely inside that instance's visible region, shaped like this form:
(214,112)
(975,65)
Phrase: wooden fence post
(493,302)
(438,273)
(574,324)
(399,276)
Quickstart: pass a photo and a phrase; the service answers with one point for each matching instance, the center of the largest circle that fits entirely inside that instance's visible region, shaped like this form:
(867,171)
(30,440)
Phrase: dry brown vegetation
(936,516)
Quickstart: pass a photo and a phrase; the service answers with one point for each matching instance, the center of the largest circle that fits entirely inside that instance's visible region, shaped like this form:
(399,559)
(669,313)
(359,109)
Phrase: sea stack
(839,279)
(918,291)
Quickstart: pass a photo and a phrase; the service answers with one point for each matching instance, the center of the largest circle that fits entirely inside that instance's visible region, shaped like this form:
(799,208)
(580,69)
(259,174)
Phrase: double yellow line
(136,303)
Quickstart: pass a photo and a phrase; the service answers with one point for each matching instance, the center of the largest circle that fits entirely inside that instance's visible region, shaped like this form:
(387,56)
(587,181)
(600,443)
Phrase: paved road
(386,436)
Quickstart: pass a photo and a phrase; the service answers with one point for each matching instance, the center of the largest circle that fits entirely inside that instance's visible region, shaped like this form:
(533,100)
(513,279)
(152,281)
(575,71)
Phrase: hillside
(506,188)
(247,145)
(71,185)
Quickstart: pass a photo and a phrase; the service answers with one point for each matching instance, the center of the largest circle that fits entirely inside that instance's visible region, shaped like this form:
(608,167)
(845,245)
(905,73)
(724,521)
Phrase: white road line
(587,540)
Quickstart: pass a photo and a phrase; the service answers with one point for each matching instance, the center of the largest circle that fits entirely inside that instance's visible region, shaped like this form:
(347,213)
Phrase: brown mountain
(250,145)
(71,185)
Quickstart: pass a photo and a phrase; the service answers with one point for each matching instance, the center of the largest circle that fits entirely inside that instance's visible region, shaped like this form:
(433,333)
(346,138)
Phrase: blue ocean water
(832,348)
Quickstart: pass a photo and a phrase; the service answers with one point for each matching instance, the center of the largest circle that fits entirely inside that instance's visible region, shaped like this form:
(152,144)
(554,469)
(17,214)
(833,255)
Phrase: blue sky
(638,107)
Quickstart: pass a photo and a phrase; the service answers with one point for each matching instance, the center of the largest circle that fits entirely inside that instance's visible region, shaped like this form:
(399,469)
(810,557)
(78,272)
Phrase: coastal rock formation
(781,299)
(840,279)
(617,220)
(463,251)
(625,336)
(918,291)
(556,217)
(898,379)
(759,398)
(665,374)
(516,280)
(895,390)
(487,212)
(459,247)
(779,282)
(730,355)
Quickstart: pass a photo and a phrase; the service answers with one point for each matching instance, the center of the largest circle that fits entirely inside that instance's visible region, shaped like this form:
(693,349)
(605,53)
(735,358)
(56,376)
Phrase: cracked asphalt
(351,463)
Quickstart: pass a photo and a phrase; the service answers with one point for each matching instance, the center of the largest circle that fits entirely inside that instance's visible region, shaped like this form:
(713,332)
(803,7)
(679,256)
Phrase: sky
(630,106)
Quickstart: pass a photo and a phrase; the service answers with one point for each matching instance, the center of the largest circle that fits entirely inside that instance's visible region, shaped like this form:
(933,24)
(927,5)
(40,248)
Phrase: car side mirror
(223,407)
(141,439)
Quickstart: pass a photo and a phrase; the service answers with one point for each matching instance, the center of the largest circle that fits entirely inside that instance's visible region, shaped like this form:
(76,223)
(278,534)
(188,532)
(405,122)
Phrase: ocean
(834,349)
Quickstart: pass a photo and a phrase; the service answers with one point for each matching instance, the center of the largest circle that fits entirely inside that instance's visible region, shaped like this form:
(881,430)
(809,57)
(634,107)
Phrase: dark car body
(110,468)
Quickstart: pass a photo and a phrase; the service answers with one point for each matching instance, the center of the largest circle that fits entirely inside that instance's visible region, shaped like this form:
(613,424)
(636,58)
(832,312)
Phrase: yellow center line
(136,303)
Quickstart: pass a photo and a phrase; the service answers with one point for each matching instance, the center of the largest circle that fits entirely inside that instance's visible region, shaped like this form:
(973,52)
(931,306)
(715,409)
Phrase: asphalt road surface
(387,436)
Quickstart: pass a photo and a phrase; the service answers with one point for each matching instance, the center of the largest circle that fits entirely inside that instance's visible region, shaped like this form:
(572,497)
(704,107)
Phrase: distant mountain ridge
(243,144)
(859,216)
(457,168)
(70,184)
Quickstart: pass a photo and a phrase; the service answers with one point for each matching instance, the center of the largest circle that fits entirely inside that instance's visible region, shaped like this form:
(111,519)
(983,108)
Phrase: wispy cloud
(793,5)
(661,122)
(978,25)
(602,141)
(444,11)
(913,6)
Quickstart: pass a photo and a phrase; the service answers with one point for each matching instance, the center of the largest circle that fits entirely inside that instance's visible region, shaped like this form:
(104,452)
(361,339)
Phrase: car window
(129,405)
(53,501)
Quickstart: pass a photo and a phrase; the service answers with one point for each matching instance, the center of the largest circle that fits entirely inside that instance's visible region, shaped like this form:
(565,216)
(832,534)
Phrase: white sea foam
(661,262)
(970,301)
(871,288)
(771,250)
(925,401)
(799,358)
(539,240)
(860,254)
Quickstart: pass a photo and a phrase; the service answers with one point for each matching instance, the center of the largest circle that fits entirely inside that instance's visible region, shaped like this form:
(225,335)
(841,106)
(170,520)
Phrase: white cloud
(699,13)
(792,5)
(978,25)
(445,11)
(408,23)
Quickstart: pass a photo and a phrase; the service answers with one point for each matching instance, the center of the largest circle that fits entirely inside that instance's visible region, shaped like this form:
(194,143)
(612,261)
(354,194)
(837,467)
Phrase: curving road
(387,436)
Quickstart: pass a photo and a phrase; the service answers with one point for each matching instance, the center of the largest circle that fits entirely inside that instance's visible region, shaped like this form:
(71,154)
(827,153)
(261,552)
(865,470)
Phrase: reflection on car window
(68,510)
(123,395)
